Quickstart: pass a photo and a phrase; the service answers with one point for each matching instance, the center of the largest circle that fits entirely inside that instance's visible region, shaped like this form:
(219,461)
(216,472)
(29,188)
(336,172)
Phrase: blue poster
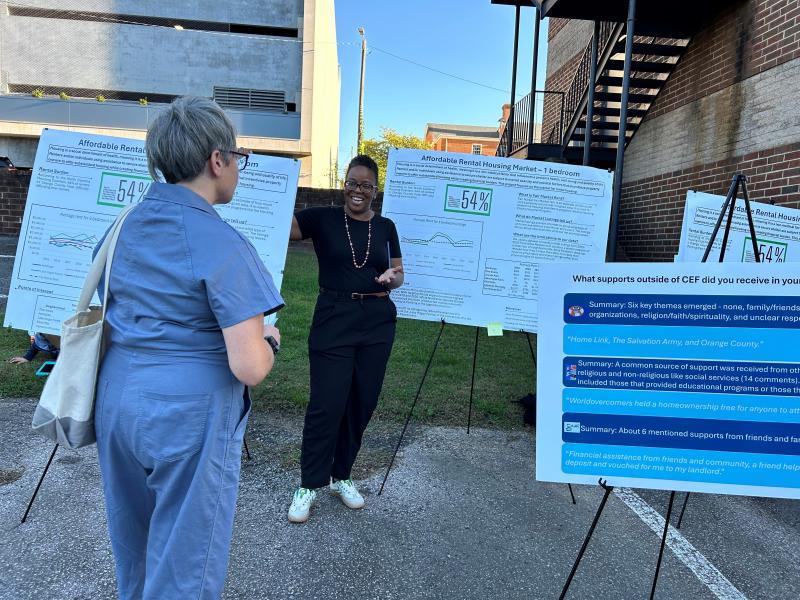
(687,379)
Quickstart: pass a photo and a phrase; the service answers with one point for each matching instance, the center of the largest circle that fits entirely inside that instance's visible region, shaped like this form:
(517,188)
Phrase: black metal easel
(38,485)
(411,410)
(471,393)
(738,184)
(536,370)
(47,468)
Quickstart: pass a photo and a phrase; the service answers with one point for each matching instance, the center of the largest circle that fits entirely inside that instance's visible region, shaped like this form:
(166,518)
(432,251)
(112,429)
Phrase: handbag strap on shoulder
(102,262)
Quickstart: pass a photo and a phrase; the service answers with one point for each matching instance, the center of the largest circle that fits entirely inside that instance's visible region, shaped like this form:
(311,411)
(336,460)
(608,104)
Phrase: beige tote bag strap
(102,261)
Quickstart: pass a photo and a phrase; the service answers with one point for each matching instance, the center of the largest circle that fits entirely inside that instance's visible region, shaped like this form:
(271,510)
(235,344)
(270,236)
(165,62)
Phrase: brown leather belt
(353,295)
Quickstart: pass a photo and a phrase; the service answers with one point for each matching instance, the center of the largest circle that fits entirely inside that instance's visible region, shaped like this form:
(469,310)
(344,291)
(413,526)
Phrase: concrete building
(272,64)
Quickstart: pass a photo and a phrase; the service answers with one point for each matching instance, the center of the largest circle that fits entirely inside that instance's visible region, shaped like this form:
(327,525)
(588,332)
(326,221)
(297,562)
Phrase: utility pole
(361,91)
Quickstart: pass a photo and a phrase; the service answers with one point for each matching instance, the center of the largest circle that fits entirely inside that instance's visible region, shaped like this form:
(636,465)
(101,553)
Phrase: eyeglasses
(351,186)
(242,159)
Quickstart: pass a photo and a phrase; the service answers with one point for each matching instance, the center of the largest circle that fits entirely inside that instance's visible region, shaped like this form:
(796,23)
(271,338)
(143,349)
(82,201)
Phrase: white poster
(473,230)
(676,376)
(78,185)
(777,231)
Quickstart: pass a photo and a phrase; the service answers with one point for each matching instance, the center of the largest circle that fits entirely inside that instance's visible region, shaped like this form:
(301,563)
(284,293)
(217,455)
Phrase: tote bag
(65,412)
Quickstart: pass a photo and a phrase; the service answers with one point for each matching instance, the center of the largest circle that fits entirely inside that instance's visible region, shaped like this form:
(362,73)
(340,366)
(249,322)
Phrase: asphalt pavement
(461,517)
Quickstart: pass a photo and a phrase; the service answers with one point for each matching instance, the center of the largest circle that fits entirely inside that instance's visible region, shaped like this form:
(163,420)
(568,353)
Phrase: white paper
(78,185)
(777,231)
(473,230)
(675,376)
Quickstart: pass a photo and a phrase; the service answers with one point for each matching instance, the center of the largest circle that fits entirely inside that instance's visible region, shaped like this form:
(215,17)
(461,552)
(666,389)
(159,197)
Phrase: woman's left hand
(389,276)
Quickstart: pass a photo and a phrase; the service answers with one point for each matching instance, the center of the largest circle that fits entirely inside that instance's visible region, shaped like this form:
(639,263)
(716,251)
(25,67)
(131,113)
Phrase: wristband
(273,343)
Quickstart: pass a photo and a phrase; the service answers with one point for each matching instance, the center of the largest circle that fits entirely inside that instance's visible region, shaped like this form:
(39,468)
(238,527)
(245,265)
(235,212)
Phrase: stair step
(612,125)
(610,111)
(641,65)
(600,139)
(635,82)
(617,97)
(650,49)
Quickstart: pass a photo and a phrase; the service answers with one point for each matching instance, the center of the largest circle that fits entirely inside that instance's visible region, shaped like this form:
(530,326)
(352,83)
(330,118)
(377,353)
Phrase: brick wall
(730,105)
(746,39)
(555,26)
(14,190)
(488,147)
(652,209)
(560,81)
(309,197)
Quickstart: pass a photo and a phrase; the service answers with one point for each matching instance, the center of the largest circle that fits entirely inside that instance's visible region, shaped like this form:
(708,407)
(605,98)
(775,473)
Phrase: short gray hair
(182,137)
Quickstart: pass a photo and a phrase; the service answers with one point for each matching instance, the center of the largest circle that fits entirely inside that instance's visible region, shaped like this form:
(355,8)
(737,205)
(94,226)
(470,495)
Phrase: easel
(471,393)
(739,181)
(47,468)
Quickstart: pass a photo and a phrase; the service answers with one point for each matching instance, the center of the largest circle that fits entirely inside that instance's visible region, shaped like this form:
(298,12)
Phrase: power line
(112,20)
(440,72)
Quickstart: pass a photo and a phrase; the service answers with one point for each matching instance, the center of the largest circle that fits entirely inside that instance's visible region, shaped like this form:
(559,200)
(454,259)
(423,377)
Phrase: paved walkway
(461,518)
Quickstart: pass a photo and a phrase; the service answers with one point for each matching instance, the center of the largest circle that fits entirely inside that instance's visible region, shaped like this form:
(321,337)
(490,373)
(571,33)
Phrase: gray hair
(182,137)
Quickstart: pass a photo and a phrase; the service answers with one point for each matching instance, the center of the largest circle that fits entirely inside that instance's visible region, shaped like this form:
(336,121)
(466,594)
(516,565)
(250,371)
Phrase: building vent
(250,99)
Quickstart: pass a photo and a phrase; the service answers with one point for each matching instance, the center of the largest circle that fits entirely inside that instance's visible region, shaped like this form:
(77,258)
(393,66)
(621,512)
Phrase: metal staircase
(662,33)
(654,59)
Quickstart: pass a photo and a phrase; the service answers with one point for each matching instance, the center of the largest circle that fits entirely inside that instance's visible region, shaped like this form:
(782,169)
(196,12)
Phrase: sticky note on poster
(494,329)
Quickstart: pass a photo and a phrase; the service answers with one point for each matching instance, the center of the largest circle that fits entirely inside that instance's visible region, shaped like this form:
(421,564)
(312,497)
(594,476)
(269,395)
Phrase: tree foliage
(379,148)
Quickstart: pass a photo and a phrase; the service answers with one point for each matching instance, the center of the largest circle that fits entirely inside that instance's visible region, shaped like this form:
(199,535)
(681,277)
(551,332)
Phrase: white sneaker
(301,505)
(347,492)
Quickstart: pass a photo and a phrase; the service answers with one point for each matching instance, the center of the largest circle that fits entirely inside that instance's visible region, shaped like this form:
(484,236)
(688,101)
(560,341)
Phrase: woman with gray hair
(186,335)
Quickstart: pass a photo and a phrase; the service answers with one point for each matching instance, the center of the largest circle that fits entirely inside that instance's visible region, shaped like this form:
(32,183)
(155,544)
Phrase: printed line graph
(439,238)
(80,241)
(440,246)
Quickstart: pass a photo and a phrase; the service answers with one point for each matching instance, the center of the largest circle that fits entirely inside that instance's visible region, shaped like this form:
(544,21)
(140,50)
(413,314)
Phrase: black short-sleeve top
(326,228)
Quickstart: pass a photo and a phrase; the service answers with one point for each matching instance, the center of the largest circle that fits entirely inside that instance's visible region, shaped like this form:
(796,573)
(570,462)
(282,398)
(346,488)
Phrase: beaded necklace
(350,240)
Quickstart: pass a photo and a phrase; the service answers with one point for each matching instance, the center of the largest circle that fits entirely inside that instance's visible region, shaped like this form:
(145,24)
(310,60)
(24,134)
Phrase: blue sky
(473,39)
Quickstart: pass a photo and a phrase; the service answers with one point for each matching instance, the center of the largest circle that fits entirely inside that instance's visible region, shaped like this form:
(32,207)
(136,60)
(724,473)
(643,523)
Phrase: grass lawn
(504,370)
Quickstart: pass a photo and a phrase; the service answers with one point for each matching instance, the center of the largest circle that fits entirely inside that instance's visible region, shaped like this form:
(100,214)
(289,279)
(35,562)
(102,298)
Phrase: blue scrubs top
(180,274)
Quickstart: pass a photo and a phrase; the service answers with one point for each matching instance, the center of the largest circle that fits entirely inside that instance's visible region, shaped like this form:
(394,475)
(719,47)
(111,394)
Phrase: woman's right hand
(273,331)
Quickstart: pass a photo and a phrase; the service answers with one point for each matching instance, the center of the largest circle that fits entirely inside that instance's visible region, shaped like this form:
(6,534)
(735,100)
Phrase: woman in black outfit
(351,333)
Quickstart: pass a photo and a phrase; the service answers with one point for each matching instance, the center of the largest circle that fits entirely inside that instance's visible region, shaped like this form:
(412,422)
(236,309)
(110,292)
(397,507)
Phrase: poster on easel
(685,378)
(777,231)
(78,185)
(474,230)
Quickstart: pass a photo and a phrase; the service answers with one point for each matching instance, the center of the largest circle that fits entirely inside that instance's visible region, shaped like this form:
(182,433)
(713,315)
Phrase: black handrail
(515,136)
(573,101)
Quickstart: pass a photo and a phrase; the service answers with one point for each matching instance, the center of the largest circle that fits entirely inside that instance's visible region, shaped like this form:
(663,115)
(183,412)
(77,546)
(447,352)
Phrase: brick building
(714,89)
(468,139)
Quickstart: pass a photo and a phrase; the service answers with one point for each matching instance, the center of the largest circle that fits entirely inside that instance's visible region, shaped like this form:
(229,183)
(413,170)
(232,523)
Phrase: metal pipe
(611,250)
(510,122)
(360,132)
(587,138)
(532,116)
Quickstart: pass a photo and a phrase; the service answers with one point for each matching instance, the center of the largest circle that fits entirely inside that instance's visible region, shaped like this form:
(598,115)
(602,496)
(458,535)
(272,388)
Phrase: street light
(361,90)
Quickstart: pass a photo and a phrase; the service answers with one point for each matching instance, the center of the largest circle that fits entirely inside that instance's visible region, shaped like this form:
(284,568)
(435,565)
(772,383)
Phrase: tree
(379,148)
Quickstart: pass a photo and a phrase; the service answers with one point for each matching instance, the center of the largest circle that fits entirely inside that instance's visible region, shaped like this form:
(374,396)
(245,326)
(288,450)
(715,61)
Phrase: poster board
(777,231)
(474,229)
(687,379)
(78,185)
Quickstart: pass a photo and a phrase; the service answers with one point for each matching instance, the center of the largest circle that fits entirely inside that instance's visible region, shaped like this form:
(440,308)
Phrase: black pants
(348,348)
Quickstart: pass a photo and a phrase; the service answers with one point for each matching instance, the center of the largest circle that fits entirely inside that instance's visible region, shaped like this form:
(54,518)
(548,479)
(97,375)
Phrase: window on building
(477,148)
